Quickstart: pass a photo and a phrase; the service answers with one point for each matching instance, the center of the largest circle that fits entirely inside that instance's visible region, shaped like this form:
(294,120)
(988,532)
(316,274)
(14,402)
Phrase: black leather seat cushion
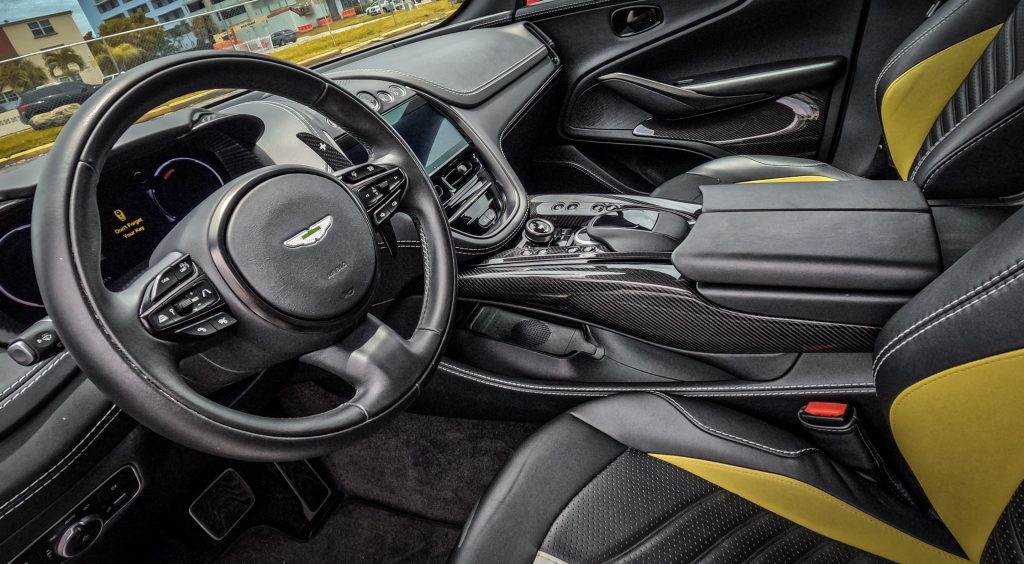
(584,489)
(744,168)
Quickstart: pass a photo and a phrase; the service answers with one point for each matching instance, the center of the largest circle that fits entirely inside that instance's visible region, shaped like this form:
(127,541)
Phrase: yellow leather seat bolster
(809,178)
(814,509)
(957,430)
(912,102)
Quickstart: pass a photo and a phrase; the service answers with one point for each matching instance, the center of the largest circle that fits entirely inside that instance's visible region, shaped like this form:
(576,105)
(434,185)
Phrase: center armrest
(854,235)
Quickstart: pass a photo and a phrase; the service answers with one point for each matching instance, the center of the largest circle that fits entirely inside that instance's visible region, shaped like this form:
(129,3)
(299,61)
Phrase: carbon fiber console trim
(649,301)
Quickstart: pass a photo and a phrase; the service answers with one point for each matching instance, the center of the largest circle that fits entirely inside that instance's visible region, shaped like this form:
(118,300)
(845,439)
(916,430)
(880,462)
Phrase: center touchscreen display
(432,137)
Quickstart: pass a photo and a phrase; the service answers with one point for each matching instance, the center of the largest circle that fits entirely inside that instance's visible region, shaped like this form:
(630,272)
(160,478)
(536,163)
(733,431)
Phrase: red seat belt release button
(825,409)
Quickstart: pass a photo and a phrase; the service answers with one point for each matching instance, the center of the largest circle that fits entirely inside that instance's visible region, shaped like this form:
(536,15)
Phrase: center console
(797,268)
(474,201)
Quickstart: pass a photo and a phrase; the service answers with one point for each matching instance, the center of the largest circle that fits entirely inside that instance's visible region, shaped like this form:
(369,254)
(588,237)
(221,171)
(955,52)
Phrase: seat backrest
(949,370)
(950,101)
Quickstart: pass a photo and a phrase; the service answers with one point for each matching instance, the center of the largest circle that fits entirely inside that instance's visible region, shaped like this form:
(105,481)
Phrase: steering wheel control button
(183,269)
(79,536)
(201,329)
(164,283)
(208,327)
(361,173)
(164,317)
(222,321)
(199,297)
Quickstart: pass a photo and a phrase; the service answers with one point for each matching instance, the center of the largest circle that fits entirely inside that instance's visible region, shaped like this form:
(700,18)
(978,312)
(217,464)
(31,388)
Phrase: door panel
(700,54)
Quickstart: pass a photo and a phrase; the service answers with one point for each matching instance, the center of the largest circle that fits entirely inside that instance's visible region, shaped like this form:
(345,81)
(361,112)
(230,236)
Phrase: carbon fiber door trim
(649,302)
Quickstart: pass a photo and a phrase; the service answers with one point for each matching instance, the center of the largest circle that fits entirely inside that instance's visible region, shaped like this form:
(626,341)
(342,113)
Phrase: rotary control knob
(79,536)
(539,230)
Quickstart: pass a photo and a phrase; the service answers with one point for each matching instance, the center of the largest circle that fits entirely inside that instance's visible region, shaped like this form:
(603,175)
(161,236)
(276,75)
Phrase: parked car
(378,8)
(47,98)
(283,37)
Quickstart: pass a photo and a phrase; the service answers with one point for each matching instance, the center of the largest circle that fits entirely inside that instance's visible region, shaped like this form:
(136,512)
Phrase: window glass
(86,49)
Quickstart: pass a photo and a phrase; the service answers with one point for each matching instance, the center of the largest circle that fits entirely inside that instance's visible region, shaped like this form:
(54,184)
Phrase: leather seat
(656,478)
(950,100)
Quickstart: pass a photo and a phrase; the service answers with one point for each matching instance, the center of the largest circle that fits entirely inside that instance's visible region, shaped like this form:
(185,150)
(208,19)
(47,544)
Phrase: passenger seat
(951,108)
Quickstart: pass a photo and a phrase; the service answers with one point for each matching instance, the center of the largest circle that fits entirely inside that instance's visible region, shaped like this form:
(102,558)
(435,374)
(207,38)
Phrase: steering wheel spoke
(375,360)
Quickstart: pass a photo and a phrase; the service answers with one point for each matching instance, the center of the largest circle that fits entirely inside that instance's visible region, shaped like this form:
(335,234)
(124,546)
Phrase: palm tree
(62,59)
(20,75)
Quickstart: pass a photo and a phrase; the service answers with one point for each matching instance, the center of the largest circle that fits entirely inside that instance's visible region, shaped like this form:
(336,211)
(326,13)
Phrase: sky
(21,9)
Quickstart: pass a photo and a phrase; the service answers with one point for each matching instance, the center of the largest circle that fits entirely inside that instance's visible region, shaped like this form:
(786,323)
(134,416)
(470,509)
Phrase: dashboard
(454,120)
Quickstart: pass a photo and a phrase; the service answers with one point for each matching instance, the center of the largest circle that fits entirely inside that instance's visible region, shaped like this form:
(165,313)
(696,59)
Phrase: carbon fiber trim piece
(651,302)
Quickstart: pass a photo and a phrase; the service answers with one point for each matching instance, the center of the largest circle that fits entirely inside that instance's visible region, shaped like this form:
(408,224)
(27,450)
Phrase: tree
(63,59)
(20,75)
(204,28)
(152,41)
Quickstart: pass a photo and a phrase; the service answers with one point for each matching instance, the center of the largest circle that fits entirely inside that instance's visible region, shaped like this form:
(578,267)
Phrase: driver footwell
(355,532)
(405,490)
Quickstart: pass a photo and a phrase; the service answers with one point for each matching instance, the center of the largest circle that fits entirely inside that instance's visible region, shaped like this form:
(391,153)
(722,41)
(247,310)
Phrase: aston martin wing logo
(310,235)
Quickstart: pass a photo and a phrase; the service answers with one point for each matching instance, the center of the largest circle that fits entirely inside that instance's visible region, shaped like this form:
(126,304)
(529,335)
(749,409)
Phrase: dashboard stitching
(452,367)
(563,8)
(64,463)
(36,378)
(504,19)
(490,81)
(600,392)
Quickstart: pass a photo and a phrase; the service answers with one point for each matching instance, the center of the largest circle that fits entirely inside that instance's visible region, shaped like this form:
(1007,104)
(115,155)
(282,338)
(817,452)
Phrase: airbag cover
(304,245)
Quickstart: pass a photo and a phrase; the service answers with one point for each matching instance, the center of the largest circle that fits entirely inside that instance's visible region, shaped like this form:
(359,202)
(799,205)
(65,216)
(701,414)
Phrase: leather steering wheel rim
(133,367)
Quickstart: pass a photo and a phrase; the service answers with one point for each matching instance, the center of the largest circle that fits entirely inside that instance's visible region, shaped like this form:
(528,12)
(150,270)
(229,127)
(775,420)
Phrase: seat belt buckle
(826,414)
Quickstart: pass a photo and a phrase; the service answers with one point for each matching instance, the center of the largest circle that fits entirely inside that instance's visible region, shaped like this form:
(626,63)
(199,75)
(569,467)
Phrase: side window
(41,28)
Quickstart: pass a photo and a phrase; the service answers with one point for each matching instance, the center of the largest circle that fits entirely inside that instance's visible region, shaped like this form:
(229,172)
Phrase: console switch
(78,530)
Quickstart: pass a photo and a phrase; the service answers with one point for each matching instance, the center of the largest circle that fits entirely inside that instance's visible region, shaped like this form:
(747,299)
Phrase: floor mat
(433,467)
(355,533)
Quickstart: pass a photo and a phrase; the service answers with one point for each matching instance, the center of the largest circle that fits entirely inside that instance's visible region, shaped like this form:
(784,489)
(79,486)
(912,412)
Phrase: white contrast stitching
(723,434)
(492,80)
(947,316)
(64,463)
(544,387)
(38,375)
(596,393)
(562,8)
(994,280)
(910,45)
(920,161)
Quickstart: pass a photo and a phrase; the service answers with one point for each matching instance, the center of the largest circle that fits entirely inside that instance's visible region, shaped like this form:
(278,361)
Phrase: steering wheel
(278,264)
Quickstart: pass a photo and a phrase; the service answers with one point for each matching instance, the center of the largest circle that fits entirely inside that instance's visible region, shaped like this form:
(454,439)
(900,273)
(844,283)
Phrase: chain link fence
(41,90)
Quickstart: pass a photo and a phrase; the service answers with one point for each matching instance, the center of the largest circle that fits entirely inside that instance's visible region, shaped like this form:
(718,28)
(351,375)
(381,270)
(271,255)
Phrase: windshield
(58,52)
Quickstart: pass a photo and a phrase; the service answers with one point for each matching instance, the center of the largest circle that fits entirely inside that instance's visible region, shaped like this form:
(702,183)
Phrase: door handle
(635,19)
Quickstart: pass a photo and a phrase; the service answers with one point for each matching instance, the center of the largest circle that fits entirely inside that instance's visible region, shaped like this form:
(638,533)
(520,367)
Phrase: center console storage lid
(860,235)
(860,195)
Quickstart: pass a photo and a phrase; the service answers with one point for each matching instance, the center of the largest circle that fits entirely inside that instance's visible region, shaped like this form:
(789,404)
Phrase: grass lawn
(25,140)
(307,52)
